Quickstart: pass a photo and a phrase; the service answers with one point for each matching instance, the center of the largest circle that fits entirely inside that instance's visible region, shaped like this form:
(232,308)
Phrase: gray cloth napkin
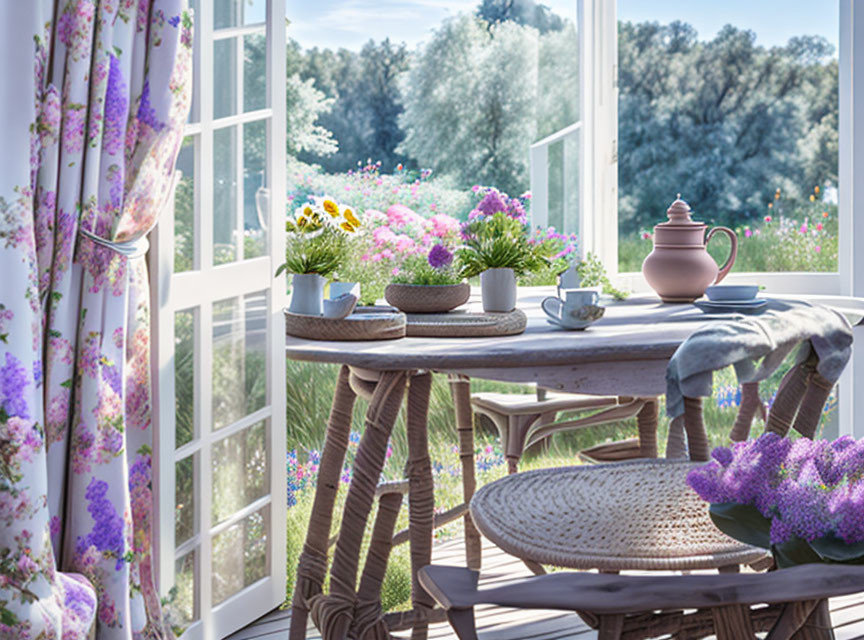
(756,346)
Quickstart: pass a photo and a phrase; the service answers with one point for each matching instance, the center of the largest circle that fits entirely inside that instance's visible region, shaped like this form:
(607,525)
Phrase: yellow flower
(812,198)
(308,211)
(770,205)
(816,189)
(351,218)
(331,207)
(347,226)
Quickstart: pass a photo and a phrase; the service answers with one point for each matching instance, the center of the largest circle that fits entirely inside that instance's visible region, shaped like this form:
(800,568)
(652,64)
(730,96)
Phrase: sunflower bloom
(331,207)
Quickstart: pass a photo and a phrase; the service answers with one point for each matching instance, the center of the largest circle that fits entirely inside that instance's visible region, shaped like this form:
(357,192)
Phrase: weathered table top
(640,328)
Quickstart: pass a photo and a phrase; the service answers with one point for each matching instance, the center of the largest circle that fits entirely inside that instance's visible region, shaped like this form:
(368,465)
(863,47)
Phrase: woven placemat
(383,325)
(465,324)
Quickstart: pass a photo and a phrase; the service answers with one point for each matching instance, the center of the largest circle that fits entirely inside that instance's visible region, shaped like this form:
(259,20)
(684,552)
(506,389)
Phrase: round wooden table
(624,354)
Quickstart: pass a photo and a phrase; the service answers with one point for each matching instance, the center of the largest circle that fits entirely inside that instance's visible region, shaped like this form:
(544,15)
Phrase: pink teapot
(680,268)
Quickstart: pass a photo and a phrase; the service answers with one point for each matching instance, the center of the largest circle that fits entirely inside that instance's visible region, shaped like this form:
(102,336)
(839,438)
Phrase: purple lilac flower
(146,112)
(111,375)
(116,109)
(439,257)
(13,380)
(107,533)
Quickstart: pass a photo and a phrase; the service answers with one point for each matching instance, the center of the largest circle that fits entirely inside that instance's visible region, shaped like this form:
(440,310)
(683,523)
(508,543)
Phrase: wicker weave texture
(626,516)
(466,325)
(413,298)
(358,326)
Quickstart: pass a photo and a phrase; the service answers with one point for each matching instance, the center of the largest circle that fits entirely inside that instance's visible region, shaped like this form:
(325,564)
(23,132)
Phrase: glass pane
(239,357)
(225,209)
(241,555)
(235,13)
(184,376)
(710,107)
(224,77)
(256,194)
(185,522)
(254,72)
(184,208)
(240,473)
(185,604)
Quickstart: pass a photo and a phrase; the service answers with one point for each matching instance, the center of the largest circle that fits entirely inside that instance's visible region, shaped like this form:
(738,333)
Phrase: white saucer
(580,326)
(741,306)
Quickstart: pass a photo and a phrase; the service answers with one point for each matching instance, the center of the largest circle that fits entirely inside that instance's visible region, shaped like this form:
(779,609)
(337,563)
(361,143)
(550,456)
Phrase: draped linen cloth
(93,98)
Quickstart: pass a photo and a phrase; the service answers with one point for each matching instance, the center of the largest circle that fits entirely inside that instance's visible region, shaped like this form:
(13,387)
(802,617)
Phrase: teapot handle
(733,252)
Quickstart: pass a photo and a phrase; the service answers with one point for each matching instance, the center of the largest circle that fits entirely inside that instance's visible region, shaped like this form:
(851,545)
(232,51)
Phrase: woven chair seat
(637,515)
(515,404)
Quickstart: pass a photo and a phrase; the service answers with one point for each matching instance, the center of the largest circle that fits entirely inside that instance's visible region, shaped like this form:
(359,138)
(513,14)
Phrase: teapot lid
(679,215)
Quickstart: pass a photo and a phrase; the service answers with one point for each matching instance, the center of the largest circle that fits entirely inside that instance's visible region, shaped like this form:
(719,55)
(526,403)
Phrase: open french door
(218,333)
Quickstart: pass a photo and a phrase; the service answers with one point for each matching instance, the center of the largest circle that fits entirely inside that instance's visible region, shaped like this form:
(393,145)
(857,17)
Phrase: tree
(525,12)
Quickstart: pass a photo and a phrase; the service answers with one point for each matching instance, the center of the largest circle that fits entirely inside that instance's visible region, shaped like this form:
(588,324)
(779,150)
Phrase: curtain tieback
(131,248)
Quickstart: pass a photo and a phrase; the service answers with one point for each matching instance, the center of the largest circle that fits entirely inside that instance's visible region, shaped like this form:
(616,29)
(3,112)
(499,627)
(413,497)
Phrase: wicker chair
(642,516)
(523,420)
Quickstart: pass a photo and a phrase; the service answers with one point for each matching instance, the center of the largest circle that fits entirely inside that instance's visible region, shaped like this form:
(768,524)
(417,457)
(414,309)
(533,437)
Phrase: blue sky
(350,23)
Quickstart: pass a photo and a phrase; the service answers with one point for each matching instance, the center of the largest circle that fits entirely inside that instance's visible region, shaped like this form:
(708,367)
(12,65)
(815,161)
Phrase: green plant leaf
(832,548)
(793,553)
(743,522)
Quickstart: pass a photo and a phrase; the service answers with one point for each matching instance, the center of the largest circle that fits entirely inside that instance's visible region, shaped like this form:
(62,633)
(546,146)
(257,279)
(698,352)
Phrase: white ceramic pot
(498,287)
(307,294)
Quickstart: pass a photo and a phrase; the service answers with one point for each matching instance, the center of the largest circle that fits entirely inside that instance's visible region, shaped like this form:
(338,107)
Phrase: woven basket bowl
(379,326)
(616,517)
(421,298)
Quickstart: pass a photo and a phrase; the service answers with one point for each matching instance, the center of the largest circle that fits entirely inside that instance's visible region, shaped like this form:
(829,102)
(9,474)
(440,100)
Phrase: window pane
(224,78)
(235,13)
(256,194)
(185,525)
(739,114)
(239,358)
(240,474)
(254,72)
(225,209)
(184,208)
(185,603)
(184,376)
(241,555)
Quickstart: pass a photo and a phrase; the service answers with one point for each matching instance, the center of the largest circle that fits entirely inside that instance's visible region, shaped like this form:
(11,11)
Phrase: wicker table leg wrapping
(646,420)
(751,403)
(460,388)
(333,614)
(312,567)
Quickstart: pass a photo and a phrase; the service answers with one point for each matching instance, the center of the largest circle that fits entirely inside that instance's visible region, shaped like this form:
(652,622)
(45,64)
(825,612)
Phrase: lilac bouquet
(802,499)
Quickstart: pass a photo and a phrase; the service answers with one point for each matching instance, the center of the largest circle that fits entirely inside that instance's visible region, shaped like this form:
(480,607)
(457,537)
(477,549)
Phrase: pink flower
(387,253)
(747,233)
(819,226)
(364,257)
(646,235)
(403,243)
(803,228)
(383,235)
(818,249)
(395,271)
(475,188)
(767,218)
(376,257)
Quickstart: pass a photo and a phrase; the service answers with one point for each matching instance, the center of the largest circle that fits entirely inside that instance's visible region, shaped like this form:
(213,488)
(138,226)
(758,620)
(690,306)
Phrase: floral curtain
(93,98)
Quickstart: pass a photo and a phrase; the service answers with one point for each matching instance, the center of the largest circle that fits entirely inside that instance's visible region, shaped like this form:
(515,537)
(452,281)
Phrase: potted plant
(803,500)
(428,284)
(316,246)
(498,246)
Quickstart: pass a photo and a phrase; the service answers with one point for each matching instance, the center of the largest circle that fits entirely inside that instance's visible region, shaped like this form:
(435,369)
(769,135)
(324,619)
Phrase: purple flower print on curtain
(93,149)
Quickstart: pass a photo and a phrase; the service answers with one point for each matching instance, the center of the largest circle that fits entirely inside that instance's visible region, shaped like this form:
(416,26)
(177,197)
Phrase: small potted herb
(428,284)
(498,246)
(316,246)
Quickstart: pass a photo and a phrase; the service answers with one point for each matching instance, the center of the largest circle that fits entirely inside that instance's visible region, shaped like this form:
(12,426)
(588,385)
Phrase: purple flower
(493,202)
(722,455)
(13,380)
(146,112)
(116,109)
(107,534)
(439,257)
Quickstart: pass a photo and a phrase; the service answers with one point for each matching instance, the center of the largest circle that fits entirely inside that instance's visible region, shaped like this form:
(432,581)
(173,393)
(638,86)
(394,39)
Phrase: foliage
(524,12)
(478,94)
(363,101)
(429,270)
(803,499)
(317,237)
(721,120)
(593,274)
(498,242)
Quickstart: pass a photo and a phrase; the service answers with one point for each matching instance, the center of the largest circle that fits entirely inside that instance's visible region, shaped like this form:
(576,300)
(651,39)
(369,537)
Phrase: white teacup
(570,311)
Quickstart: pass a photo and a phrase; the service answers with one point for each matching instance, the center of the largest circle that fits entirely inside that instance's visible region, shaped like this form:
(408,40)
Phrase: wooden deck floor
(496,623)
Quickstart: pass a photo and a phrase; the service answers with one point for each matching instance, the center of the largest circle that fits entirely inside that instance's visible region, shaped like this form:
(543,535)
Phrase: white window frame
(598,212)
(199,288)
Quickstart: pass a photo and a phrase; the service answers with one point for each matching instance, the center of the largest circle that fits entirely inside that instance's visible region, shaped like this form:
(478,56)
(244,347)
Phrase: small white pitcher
(307,294)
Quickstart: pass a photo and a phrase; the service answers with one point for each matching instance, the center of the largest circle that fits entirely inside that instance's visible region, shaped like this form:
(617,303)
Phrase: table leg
(312,566)
(421,500)
(646,420)
(460,387)
(751,403)
(333,613)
